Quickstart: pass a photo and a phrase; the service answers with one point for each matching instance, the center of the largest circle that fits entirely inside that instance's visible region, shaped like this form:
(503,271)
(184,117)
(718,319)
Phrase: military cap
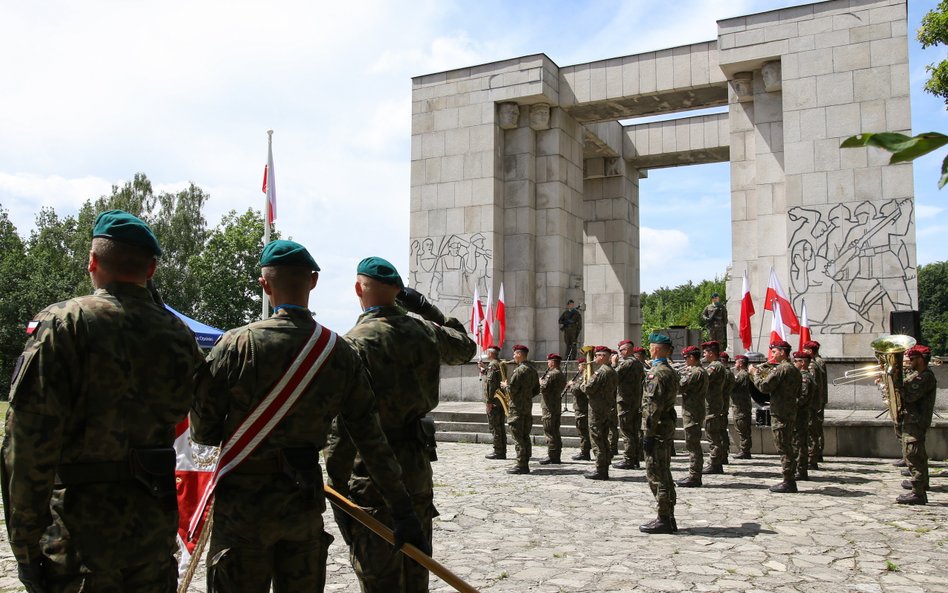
(121,226)
(638,349)
(812,345)
(711,345)
(492,347)
(381,270)
(657,338)
(624,342)
(715,295)
(740,357)
(581,359)
(919,350)
(801,354)
(286,253)
(690,351)
(782,344)
(605,349)
(724,356)
(521,348)
(554,356)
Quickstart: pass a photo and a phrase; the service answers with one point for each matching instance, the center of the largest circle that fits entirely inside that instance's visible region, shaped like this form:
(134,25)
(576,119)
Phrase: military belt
(75,474)
(152,468)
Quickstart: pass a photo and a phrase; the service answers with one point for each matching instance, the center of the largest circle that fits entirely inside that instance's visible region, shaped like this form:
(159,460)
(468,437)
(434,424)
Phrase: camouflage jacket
(821,388)
(918,401)
(403,356)
(242,368)
(631,378)
(693,386)
(783,383)
(523,385)
(714,397)
(658,401)
(552,387)
(100,376)
(740,395)
(714,315)
(601,389)
(491,382)
(729,382)
(809,390)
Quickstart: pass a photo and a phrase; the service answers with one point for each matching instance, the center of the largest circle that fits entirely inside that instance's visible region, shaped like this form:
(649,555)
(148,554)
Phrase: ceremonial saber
(388,535)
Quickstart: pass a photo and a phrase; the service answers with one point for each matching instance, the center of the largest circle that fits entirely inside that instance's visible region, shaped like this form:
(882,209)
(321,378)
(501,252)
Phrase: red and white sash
(267,415)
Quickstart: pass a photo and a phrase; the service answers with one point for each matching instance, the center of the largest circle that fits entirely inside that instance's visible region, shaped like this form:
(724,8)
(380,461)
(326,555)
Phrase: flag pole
(265,302)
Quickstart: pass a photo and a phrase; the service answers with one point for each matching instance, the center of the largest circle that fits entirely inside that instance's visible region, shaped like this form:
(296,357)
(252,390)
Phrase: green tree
(933,306)
(14,311)
(934,32)
(682,305)
(227,271)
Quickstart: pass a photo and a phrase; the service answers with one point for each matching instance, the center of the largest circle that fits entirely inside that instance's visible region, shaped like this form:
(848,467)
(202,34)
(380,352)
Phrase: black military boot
(801,476)
(906,472)
(519,469)
(785,487)
(907,484)
(900,463)
(626,464)
(496,455)
(661,525)
(596,475)
(552,459)
(912,498)
(582,456)
(690,482)
(743,455)
(812,465)
(712,468)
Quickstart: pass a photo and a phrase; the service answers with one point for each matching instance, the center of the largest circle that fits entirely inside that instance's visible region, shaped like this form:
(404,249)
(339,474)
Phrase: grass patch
(503,575)
(892,566)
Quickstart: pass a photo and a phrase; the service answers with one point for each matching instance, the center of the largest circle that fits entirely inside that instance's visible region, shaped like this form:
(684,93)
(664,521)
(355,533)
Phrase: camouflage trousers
(630,426)
(801,433)
(614,431)
(725,433)
(816,434)
(742,422)
(551,415)
(782,427)
(714,430)
(520,426)
(692,421)
(497,422)
(658,473)
(152,577)
(600,423)
(581,414)
(379,567)
(913,451)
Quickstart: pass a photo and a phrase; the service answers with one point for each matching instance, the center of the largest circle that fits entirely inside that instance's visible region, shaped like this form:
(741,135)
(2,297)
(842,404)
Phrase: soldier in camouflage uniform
(714,423)
(714,317)
(580,411)
(523,385)
(268,523)
(552,385)
(783,383)
(693,387)
(571,322)
(88,464)
(496,420)
(631,376)
(403,356)
(658,425)
(726,403)
(918,405)
(613,361)
(741,406)
(817,403)
(600,390)
(808,391)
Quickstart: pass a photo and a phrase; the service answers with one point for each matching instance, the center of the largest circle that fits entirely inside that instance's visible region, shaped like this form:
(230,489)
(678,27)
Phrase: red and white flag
(31,327)
(501,317)
(804,327)
(777,331)
(488,338)
(269,186)
(193,470)
(477,317)
(747,311)
(776,293)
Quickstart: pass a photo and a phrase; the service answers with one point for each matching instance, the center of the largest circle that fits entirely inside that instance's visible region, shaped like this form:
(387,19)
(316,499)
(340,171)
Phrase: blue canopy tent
(205,334)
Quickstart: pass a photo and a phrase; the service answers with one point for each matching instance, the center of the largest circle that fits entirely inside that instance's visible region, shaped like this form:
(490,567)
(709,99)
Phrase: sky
(98,90)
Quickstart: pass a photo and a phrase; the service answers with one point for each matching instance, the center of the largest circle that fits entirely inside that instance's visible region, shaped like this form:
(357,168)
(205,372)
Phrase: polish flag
(488,323)
(804,327)
(747,311)
(31,327)
(477,316)
(269,186)
(501,317)
(777,331)
(193,470)
(776,293)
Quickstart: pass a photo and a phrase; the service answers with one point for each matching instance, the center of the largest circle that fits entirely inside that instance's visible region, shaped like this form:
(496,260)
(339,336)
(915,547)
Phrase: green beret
(657,338)
(286,253)
(119,225)
(381,270)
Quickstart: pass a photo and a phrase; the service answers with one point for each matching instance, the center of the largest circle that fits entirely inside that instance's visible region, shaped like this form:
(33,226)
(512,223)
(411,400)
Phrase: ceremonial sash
(269,412)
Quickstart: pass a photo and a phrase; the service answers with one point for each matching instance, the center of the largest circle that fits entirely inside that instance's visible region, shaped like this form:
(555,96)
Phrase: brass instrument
(889,351)
(501,393)
(588,353)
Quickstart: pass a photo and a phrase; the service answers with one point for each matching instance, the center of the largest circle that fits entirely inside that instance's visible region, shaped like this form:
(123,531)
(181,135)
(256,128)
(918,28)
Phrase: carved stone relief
(447,269)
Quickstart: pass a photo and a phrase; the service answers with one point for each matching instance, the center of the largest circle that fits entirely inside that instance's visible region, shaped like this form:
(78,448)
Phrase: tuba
(500,393)
(890,351)
(588,353)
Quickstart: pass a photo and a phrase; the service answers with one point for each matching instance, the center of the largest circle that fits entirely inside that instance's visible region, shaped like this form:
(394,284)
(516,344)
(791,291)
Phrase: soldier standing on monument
(600,390)
(658,409)
(551,390)
(631,376)
(496,419)
(741,406)
(571,321)
(580,411)
(817,403)
(694,388)
(714,423)
(405,382)
(87,455)
(783,382)
(523,385)
(714,318)
(918,405)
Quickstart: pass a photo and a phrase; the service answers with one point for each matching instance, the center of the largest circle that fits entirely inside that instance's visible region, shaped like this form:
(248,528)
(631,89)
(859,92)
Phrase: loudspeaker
(906,323)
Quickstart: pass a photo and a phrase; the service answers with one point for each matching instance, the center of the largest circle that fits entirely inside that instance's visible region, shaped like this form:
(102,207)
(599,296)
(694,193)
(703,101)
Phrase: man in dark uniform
(523,385)
(600,390)
(817,403)
(714,317)
(801,426)
(783,383)
(405,381)
(552,385)
(658,425)
(631,377)
(496,419)
(694,388)
(918,406)
(714,423)
(726,403)
(741,406)
(570,323)
(268,524)
(88,463)
(580,412)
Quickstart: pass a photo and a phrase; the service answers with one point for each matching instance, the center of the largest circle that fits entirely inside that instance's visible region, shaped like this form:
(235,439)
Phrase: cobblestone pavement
(554,531)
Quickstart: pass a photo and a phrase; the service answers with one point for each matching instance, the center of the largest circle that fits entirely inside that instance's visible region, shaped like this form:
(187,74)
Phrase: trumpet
(871,371)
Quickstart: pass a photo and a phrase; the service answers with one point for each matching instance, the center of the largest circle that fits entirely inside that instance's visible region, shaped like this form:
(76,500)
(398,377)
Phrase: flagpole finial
(269,132)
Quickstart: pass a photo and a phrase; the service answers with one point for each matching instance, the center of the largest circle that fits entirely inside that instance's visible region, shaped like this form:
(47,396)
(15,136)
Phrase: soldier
(694,388)
(817,403)
(94,400)
(714,317)
(783,383)
(726,403)
(741,406)
(551,394)
(523,386)
(714,423)
(918,405)
(631,375)
(268,523)
(571,321)
(496,419)
(640,354)
(403,356)
(658,409)
(580,411)
(613,361)
(801,427)
(600,390)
